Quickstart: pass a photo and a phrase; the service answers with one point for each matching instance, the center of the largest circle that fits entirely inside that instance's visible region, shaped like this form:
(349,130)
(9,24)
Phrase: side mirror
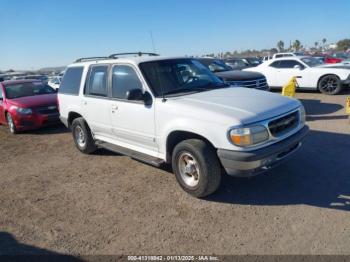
(138,95)
(1,98)
(298,67)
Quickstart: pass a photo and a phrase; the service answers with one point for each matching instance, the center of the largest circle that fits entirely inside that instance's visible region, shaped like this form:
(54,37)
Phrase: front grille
(285,124)
(48,110)
(260,83)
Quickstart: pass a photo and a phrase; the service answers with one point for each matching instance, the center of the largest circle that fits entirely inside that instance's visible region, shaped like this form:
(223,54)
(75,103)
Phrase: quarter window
(71,81)
(275,64)
(1,96)
(124,78)
(288,63)
(97,85)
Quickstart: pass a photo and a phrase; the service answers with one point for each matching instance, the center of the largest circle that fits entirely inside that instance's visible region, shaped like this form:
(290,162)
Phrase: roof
(131,60)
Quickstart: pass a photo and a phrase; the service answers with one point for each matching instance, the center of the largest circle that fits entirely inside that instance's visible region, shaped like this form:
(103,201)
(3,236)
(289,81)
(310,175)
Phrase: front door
(286,71)
(132,121)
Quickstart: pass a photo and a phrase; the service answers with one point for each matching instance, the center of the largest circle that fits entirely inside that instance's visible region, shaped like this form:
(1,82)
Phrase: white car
(309,71)
(288,54)
(55,82)
(175,110)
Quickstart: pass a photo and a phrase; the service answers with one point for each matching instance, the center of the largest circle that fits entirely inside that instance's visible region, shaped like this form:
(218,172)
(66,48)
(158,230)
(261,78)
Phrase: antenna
(153,45)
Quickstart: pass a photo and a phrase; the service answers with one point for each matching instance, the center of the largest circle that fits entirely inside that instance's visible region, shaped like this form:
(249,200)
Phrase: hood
(35,101)
(236,105)
(237,75)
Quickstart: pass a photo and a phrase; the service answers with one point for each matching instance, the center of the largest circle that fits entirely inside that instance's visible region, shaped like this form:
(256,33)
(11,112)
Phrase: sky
(42,33)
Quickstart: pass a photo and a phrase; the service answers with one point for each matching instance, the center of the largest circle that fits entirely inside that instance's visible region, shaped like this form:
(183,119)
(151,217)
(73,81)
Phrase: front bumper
(245,164)
(346,82)
(35,121)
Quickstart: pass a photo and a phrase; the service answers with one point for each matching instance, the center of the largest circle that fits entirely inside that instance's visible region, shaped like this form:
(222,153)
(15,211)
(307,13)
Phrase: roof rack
(136,53)
(93,58)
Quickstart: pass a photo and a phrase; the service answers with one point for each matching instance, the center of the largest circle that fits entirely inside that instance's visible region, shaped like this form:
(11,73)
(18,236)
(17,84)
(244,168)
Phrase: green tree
(280,45)
(343,45)
(296,45)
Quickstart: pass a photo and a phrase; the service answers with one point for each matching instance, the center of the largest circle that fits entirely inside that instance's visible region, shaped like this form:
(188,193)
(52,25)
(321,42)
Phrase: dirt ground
(55,199)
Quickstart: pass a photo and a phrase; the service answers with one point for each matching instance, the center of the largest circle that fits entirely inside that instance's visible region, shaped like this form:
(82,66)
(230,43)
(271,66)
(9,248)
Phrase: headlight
(302,115)
(24,111)
(248,136)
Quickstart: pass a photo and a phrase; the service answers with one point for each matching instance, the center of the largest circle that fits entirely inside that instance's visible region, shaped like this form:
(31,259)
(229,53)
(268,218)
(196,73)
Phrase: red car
(328,59)
(27,105)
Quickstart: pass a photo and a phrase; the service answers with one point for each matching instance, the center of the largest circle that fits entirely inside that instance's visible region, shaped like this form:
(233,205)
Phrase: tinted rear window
(71,81)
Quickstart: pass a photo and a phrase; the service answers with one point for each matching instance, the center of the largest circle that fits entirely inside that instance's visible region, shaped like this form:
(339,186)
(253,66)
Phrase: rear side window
(275,64)
(97,84)
(1,96)
(71,81)
(289,63)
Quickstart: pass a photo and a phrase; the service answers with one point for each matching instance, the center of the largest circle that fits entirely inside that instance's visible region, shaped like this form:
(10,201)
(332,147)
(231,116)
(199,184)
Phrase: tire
(329,85)
(196,167)
(82,136)
(11,124)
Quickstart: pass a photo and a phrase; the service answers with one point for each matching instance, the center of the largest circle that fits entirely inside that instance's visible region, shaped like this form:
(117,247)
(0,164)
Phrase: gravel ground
(55,199)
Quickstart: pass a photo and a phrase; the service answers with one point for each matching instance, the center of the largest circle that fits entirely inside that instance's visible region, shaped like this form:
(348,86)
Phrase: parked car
(252,61)
(310,73)
(55,82)
(174,110)
(288,54)
(266,58)
(236,63)
(235,77)
(27,104)
(327,59)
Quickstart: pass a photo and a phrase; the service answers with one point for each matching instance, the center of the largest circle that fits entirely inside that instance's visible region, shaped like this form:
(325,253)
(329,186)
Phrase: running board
(154,161)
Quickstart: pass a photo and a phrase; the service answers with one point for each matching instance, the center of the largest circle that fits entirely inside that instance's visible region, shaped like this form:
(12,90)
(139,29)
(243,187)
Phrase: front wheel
(82,136)
(196,167)
(329,85)
(11,124)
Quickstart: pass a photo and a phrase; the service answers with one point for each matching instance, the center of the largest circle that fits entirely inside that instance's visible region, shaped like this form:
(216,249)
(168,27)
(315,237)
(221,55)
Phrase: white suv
(174,110)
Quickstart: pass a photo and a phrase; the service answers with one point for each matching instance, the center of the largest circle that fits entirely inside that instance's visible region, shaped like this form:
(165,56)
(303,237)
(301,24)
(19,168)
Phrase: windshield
(253,60)
(219,66)
(312,61)
(179,76)
(27,89)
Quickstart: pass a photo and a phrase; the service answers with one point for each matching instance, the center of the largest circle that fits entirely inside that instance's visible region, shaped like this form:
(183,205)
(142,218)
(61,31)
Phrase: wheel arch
(177,136)
(71,116)
(322,76)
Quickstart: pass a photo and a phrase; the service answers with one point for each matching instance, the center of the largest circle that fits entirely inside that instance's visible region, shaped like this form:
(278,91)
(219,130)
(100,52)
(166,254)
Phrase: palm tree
(324,40)
(280,45)
(296,45)
(316,44)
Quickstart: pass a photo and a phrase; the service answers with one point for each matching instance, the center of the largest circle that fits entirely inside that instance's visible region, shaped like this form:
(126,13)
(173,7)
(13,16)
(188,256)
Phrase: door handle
(114,107)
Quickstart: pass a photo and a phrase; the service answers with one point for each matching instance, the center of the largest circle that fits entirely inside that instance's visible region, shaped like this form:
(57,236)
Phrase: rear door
(95,102)
(133,121)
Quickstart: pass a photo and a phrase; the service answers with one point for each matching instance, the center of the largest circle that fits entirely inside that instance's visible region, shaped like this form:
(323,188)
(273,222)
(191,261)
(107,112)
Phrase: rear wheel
(82,136)
(196,167)
(329,85)
(11,124)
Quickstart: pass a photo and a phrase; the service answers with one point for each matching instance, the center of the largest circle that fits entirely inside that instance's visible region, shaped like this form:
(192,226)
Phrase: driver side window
(124,79)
